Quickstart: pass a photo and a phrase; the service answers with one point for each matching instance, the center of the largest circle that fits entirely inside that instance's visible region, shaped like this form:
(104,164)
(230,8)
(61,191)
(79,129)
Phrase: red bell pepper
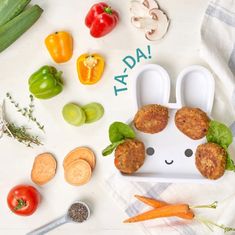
(101,19)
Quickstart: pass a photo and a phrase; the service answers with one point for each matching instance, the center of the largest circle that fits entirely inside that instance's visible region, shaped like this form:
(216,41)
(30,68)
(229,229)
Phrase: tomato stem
(21,204)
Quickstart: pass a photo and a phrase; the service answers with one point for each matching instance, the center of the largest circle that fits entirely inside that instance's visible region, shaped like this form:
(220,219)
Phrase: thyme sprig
(26,111)
(21,134)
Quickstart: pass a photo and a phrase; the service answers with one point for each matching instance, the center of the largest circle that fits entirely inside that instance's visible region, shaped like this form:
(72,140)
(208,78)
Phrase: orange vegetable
(83,153)
(90,68)
(151,202)
(60,46)
(78,172)
(165,211)
(44,168)
(156,204)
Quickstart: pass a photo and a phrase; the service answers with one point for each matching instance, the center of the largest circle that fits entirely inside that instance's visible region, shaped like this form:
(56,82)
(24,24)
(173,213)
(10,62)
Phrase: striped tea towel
(123,192)
(218,49)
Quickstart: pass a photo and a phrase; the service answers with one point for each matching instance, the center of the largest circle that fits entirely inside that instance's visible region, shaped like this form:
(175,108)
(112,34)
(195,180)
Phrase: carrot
(189,215)
(157,203)
(151,202)
(165,211)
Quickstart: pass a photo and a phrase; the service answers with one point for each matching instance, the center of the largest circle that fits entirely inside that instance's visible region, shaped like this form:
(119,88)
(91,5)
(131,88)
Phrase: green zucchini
(10,9)
(14,28)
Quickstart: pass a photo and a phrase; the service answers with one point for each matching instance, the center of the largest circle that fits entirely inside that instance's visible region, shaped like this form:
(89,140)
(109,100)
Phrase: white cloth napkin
(195,194)
(218,49)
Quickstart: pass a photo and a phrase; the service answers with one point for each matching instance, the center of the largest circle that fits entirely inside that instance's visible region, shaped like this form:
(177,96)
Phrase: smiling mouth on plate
(169,162)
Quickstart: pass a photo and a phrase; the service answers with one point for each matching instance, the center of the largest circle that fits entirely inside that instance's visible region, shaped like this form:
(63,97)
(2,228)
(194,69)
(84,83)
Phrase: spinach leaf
(108,150)
(119,131)
(230,164)
(220,134)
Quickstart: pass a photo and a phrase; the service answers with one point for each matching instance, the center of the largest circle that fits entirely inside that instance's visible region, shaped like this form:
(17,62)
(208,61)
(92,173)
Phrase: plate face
(169,162)
(170,155)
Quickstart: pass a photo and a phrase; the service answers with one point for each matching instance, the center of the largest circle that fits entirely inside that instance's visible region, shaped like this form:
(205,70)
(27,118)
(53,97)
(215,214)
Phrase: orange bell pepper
(90,68)
(60,46)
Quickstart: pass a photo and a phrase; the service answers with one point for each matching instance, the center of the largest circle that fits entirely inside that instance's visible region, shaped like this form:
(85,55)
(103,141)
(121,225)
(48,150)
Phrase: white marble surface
(179,49)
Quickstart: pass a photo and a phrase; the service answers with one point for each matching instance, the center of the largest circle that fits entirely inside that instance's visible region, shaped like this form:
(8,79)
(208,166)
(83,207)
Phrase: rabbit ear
(195,87)
(152,85)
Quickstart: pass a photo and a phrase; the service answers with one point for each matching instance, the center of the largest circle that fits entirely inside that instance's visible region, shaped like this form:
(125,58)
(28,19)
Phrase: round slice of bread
(78,172)
(83,153)
(44,168)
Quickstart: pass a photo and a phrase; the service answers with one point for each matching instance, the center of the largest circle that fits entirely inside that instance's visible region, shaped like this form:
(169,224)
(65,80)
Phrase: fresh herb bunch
(21,134)
(26,111)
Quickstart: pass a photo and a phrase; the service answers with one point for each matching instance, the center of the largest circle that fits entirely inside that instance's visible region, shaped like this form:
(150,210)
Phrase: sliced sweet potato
(83,153)
(78,172)
(44,168)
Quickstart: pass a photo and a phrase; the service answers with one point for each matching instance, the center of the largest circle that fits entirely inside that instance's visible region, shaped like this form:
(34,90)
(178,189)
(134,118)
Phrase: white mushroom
(145,23)
(136,22)
(150,4)
(138,10)
(162,25)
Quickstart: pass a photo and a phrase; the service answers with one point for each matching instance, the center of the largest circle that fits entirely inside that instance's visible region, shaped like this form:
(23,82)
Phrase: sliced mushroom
(145,23)
(150,4)
(138,10)
(162,25)
(136,22)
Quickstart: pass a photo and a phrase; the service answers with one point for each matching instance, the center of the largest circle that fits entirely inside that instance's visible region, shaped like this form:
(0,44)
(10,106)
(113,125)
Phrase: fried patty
(193,122)
(211,160)
(151,118)
(129,156)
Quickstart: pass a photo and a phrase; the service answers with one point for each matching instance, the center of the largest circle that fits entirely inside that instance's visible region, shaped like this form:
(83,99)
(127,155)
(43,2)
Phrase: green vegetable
(230,164)
(45,83)
(21,134)
(14,28)
(108,150)
(220,134)
(93,111)
(10,9)
(73,114)
(119,131)
(26,111)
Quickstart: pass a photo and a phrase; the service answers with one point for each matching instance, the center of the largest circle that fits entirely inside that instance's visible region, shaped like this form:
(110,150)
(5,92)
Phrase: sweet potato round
(44,168)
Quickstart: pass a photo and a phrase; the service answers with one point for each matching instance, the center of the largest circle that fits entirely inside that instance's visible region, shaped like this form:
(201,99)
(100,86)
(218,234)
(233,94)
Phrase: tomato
(23,200)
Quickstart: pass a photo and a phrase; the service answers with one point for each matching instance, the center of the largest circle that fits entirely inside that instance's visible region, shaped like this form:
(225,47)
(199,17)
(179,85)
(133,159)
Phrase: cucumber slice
(93,111)
(73,114)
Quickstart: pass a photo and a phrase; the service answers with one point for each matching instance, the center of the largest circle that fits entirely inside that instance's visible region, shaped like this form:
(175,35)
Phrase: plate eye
(150,151)
(188,152)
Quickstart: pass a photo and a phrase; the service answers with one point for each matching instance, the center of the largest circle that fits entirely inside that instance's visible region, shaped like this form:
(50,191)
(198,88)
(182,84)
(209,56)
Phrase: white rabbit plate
(170,155)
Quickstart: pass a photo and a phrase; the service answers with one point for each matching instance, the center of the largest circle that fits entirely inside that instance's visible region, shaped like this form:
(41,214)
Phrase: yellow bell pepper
(60,46)
(90,68)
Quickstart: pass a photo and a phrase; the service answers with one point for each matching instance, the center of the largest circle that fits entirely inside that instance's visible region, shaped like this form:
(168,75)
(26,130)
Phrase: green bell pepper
(46,82)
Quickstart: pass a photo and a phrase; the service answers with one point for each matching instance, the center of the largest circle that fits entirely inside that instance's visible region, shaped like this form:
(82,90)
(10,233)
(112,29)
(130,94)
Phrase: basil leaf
(220,134)
(230,164)
(108,150)
(119,131)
